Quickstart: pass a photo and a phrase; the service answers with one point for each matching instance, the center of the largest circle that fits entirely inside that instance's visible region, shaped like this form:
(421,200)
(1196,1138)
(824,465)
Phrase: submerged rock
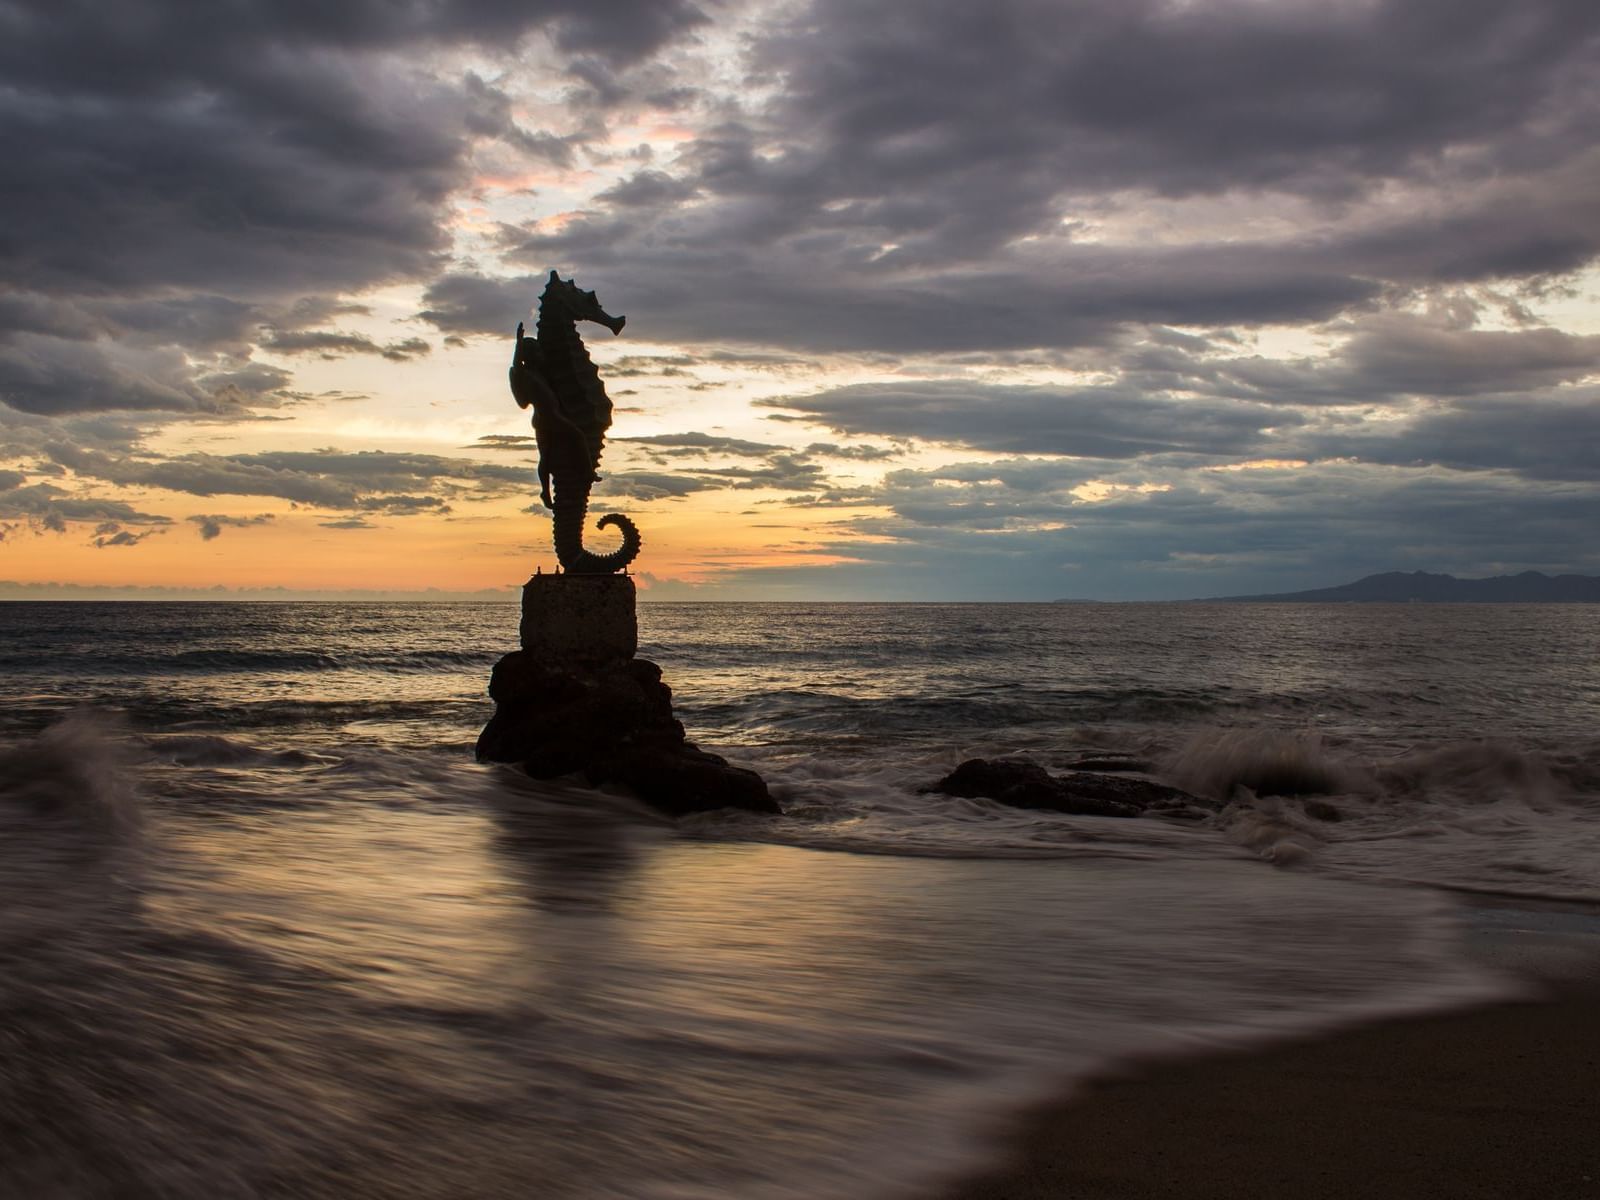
(1023,784)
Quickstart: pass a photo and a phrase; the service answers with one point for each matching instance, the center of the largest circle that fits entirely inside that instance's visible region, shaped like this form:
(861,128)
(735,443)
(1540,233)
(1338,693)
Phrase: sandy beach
(1494,1103)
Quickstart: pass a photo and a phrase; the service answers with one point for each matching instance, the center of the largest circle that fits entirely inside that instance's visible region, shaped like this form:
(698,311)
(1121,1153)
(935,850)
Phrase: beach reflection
(458,991)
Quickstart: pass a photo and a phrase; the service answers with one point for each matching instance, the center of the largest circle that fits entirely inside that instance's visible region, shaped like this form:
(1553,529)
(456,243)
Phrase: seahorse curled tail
(568,522)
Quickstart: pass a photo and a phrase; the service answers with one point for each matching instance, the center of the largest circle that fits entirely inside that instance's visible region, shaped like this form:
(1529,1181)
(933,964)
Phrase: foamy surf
(453,998)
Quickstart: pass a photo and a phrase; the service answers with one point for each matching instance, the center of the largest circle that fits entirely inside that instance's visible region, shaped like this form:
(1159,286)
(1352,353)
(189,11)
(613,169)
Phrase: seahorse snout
(614,324)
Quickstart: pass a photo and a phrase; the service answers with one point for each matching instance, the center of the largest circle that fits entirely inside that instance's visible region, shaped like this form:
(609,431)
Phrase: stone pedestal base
(580,617)
(574,700)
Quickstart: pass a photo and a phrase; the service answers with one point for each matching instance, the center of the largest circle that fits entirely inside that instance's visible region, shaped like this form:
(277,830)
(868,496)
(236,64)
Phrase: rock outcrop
(1023,784)
(573,700)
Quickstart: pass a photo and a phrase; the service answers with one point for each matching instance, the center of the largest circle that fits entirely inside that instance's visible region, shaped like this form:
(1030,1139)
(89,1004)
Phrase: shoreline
(1489,1102)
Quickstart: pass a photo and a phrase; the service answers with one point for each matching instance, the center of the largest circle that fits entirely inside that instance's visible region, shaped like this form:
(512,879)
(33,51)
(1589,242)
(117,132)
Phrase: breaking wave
(77,775)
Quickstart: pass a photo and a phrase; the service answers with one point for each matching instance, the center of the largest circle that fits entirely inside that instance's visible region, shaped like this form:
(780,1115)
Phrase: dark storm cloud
(647,189)
(1417,356)
(787,296)
(619,31)
(931,185)
(47,375)
(173,166)
(1088,422)
(200,322)
(172,39)
(1521,220)
(1176,99)
(179,187)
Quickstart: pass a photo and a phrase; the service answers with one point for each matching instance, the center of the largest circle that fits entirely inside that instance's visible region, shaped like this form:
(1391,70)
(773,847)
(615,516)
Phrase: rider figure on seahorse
(553,374)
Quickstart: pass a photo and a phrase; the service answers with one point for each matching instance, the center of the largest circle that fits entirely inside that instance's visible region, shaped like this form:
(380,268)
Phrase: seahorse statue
(553,374)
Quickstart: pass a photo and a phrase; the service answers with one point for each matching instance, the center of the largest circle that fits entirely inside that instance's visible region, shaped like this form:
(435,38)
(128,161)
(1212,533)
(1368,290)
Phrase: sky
(931,300)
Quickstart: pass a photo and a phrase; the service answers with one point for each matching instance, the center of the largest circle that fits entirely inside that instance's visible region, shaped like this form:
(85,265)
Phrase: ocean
(269,930)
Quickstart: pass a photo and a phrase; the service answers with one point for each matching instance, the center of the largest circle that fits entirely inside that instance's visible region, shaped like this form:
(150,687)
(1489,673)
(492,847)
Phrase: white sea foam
(1267,761)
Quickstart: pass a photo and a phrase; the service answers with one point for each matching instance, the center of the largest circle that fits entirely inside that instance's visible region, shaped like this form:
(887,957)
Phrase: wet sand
(1499,1103)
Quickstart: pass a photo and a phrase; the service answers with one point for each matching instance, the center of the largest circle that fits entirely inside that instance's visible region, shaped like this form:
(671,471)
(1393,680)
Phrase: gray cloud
(404,505)
(467,302)
(48,507)
(647,189)
(1417,356)
(396,484)
(521,443)
(1384,359)
(857,453)
(1540,439)
(211,526)
(174,178)
(1009,530)
(1088,422)
(651,485)
(47,375)
(965,181)
(696,444)
(332,344)
(1202,98)
(1126,189)
(109,534)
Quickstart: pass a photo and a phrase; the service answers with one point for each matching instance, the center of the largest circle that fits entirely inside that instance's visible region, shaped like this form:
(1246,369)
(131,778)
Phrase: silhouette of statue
(553,375)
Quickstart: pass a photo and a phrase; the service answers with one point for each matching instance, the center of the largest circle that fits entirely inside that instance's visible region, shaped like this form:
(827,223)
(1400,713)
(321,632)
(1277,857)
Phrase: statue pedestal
(575,701)
(584,618)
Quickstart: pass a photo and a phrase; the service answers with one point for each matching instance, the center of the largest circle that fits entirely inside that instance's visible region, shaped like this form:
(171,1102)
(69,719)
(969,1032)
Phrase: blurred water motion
(269,931)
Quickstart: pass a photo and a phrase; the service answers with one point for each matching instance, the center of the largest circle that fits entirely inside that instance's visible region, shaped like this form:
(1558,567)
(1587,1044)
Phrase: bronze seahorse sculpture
(553,374)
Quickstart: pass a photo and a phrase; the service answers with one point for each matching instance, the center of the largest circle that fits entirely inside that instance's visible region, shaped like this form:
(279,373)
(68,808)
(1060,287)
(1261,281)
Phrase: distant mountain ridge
(1400,587)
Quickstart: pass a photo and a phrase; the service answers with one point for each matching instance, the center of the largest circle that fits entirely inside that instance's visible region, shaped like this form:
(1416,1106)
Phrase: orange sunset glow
(883,341)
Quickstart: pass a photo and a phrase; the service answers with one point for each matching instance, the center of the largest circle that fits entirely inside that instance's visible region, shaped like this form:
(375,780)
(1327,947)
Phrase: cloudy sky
(1027,299)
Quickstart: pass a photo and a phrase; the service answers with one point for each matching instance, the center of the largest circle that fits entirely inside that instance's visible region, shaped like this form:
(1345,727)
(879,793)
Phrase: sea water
(266,928)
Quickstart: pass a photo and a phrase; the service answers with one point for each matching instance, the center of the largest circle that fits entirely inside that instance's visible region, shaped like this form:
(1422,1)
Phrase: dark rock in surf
(1023,784)
(574,701)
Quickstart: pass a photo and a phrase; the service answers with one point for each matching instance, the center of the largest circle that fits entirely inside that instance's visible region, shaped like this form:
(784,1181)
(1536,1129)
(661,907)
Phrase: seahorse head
(578,304)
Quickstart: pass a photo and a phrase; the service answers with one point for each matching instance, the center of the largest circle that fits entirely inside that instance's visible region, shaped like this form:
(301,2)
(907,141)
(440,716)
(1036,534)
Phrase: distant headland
(1400,587)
